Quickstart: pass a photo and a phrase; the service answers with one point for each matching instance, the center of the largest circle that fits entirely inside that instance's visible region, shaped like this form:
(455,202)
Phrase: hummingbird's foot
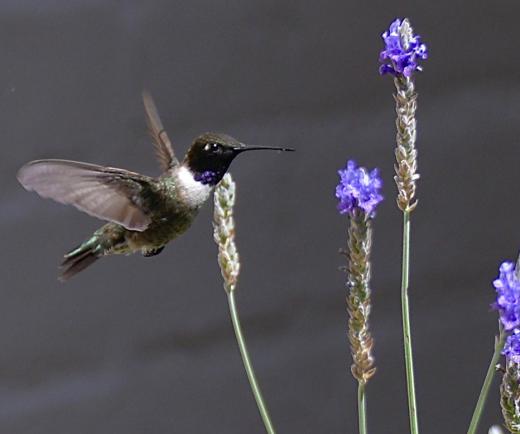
(147,253)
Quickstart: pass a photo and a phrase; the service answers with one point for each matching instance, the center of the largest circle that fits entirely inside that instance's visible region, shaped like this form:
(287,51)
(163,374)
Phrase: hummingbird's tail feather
(80,258)
(74,266)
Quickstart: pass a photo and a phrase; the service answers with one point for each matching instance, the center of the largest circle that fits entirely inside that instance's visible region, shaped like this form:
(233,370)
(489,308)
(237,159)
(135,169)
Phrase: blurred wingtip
(26,173)
(23,174)
(147,96)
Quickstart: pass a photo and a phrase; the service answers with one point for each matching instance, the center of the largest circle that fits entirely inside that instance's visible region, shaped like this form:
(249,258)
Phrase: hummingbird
(143,213)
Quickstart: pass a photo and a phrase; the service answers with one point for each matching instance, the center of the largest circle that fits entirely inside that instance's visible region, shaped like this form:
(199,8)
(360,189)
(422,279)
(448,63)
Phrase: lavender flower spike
(507,286)
(510,387)
(228,259)
(359,194)
(402,49)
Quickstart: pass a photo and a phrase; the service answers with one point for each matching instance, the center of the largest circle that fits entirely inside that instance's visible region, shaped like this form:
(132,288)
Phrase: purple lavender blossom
(512,347)
(358,189)
(402,50)
(507,286)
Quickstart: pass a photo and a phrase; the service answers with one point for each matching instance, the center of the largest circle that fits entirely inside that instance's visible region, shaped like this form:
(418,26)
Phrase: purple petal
(397,60)
(358,189)
(507,302)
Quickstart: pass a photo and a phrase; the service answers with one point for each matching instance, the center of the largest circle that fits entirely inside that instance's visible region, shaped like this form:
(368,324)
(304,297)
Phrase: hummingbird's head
(211,154)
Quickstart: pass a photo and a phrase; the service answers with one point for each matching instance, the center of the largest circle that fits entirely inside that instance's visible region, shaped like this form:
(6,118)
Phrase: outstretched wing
(107,193)
(161,142)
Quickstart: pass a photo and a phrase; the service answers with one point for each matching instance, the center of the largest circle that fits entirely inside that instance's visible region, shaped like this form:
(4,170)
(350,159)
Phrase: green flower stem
(255,388)
(362,408)
(407,337)
(499,345)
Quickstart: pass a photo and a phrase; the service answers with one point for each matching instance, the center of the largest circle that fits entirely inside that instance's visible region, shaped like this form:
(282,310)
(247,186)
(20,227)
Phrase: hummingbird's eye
(211,147)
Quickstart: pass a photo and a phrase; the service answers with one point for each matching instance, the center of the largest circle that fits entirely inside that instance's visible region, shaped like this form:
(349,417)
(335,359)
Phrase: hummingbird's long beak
(242,148)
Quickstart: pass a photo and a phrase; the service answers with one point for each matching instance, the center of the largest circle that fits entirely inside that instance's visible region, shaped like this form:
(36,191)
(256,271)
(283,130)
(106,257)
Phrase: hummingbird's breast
(181,199)
(191,193)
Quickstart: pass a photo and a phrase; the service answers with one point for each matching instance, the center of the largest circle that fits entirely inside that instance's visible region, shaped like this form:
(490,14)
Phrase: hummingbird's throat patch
(207,177)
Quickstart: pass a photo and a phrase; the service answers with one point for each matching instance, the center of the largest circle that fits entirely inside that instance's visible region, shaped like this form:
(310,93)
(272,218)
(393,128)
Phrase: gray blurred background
(135,345)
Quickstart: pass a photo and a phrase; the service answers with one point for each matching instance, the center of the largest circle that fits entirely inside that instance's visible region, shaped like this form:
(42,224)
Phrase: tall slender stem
(408,356)
(362,408)
(255,388)
(499,345)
